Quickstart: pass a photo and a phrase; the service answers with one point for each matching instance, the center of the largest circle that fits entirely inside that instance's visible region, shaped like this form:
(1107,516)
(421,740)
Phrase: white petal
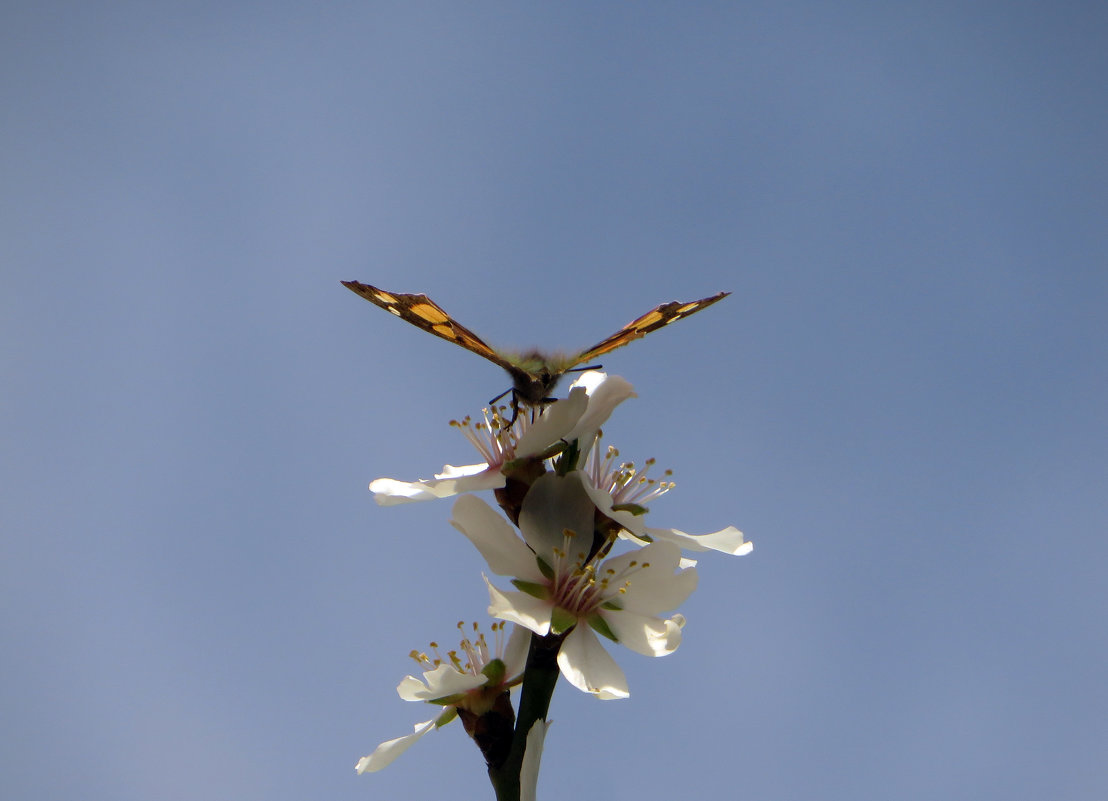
(553,424)
(590,380)
(605,394)
(412,689)
(497,541)
(521,608)
(603,501)
(452,481)
(588,667)
(654,586)
(388,751)
(644,634)
(452,471)
(552,505)
(448,680)
(515,652)
(673,631)
(652,593)
(658,554)
(728,540)
(529,770)
(389,491)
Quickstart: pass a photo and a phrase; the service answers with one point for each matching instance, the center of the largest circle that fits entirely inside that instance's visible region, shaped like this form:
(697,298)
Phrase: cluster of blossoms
(569,504)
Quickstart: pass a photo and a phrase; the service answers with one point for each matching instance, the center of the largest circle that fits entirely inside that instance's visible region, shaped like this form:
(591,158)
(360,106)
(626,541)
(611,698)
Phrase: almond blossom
(592,398)
(472,685)
(561,583)
(621,492)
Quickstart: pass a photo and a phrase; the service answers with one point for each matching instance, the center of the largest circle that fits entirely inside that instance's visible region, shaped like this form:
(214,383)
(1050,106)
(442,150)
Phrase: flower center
(580,587)
(493,438)
(476,651)
(626,484)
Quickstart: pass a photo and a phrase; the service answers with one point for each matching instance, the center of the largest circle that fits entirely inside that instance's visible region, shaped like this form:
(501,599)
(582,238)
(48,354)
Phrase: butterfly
(533,373)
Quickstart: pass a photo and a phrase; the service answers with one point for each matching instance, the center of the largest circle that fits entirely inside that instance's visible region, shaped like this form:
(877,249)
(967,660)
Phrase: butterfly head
(534,376)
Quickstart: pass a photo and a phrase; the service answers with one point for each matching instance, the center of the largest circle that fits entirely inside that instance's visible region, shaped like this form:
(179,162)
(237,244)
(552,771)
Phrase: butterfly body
(534,374)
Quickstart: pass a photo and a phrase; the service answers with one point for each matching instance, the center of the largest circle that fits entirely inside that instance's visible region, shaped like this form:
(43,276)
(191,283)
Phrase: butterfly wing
(641,326)
(422,312)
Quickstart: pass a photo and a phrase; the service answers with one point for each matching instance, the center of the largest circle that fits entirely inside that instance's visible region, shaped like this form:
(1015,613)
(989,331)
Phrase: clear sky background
(902,404)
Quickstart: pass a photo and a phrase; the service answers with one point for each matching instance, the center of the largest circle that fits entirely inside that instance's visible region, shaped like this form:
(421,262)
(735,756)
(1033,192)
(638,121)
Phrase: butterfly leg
(501,395)
(515,404)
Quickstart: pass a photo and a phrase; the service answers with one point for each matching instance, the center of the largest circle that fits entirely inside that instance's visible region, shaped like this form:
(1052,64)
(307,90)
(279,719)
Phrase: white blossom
(472,683)
(592,398)
(562,589)
(621,492)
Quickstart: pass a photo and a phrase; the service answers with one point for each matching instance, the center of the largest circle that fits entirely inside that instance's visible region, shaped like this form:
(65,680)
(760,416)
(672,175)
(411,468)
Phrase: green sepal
(567,462)
(561,621)
(636,509)
(446,717)
(534,589)
(552,451)
(600,626)
(494,671)
(612,606)
(544,568)
(510,467)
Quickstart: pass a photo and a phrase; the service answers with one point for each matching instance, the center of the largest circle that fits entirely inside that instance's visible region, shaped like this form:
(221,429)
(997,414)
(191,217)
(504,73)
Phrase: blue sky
(901,404)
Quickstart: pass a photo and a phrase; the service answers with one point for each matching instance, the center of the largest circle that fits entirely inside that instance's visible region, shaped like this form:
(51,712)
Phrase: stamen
(423,660)
(622,481)
(494,438)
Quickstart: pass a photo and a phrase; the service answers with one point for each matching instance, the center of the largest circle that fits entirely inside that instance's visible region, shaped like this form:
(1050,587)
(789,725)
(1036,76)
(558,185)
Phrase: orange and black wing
(422,312)
(651,321)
